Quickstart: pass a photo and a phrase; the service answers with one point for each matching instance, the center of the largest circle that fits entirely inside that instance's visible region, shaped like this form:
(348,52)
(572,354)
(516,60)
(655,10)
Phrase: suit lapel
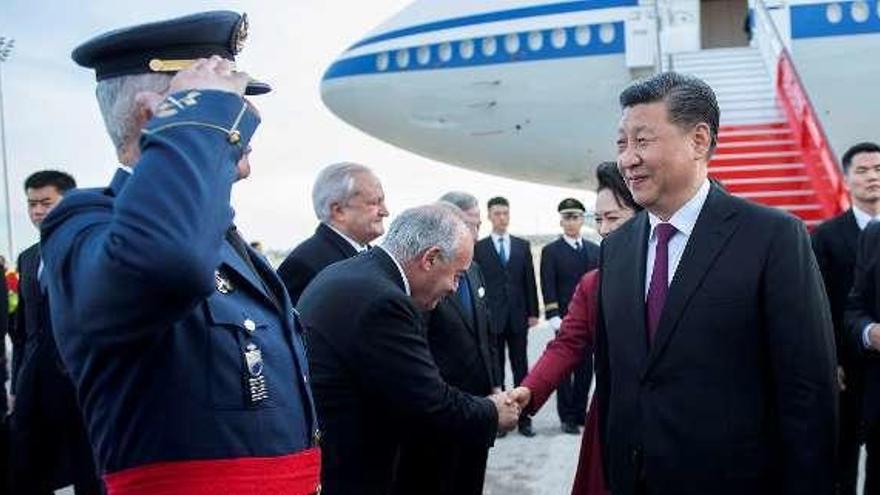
(628,291)
(345,248)
(713,229)
(851,232)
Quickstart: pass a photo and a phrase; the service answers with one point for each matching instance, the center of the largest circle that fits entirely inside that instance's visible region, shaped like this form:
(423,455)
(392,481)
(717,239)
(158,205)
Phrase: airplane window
(402,58)
(423,55)
(466,49)
(382,61)
(859,11)
(511,43)
(606,33)
(490,46)
(536,40)
(582,35)
(833,13)
(445,52)
(558,37)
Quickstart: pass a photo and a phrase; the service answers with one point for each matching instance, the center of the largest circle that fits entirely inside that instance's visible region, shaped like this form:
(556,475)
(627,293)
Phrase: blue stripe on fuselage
(501,15)
(367,64)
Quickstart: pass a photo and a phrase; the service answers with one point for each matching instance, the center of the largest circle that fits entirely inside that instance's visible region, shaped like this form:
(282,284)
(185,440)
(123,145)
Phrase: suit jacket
(374,378)
(862,309)
(561,269)
(513,294)
(44,392)
(835,243)
(158,317)
(314,254)
(430,462)
(737,393)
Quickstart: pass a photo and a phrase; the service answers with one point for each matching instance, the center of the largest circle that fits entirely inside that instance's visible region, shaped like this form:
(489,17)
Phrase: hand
(874,336)
(533,321)
(841,378)
(521,395)
(508,412)
(211,73)
(555,323)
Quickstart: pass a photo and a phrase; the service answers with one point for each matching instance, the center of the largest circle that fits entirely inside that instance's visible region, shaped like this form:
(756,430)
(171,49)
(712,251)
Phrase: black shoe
(571,429)
(501,434)
(526,430)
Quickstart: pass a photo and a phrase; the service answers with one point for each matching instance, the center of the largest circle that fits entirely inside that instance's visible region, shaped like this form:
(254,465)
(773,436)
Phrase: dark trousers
(872,462)
(572,393)
(440,466)
(516,342)
(45,457)
(850,436)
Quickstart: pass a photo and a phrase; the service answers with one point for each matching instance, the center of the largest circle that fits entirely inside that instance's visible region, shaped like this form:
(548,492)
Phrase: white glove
(555,323)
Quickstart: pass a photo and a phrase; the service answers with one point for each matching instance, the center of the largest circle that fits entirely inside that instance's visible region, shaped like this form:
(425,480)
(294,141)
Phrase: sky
(52,119)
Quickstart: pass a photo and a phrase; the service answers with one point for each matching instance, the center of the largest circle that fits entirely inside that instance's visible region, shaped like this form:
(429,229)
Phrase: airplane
(528,89)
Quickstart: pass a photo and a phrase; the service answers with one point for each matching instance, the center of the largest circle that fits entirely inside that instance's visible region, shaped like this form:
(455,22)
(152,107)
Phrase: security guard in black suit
(563,263)
(47,431)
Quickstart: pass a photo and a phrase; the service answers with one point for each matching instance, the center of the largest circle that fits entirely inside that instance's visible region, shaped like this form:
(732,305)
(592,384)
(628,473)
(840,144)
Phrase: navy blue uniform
(561,269)
(157,316)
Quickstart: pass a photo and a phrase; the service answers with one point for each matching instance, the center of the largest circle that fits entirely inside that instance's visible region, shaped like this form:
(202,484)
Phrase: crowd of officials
(156,352)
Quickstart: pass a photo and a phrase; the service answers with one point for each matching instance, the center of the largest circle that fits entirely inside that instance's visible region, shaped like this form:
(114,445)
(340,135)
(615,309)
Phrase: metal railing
(821,164)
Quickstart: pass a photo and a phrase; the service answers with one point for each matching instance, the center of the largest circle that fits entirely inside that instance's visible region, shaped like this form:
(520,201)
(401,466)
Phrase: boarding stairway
(760,156)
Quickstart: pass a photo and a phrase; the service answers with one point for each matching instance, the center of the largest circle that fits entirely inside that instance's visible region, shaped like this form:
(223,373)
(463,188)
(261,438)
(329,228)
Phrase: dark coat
(312,255)
(737,393)
(835,243)
(153,308)
(512,289)
(430,462)
(863,308)
(373,375)
(561,269)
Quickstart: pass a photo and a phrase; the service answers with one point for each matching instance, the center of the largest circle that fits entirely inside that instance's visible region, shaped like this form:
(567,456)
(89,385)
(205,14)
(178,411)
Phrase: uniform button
(234,137)
(305,379)
(250,325)
(317,437)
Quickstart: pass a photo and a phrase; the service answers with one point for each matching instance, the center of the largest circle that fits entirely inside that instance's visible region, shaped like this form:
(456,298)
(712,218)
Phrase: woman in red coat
(614,206)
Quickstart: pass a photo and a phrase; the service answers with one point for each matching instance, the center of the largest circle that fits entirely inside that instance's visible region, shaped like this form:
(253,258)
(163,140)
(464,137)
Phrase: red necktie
(659,279)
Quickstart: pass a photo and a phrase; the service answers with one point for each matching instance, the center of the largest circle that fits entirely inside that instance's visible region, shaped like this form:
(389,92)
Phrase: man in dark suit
(835,243)
(350,204)
(563,263)
(375,380)
(49,442)
(459,338)
(715,363)
(507,264)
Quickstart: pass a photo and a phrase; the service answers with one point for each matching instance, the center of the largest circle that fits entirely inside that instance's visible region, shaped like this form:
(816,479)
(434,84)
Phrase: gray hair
(116,101)
(418,229)
(335,184)
(464,201)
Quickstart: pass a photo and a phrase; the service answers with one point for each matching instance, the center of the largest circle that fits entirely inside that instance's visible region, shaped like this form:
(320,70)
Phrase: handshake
(509,406)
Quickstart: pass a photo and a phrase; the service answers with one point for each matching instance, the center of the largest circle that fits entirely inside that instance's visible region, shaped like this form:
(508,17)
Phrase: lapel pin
(224,285)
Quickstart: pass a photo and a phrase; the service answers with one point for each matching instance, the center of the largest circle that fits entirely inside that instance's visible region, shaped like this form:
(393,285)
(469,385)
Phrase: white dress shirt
(506,237)
(683,220)
(573,241)
(399,268)
(863,217)
(360,248)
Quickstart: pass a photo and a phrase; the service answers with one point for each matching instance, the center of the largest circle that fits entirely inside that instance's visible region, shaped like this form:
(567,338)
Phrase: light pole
(6,45)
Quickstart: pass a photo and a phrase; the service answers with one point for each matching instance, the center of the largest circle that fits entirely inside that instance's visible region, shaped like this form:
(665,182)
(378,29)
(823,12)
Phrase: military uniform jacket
(153,311)
(561,269)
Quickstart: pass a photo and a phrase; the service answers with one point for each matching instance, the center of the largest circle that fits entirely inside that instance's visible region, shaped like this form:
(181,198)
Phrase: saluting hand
(214,73)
